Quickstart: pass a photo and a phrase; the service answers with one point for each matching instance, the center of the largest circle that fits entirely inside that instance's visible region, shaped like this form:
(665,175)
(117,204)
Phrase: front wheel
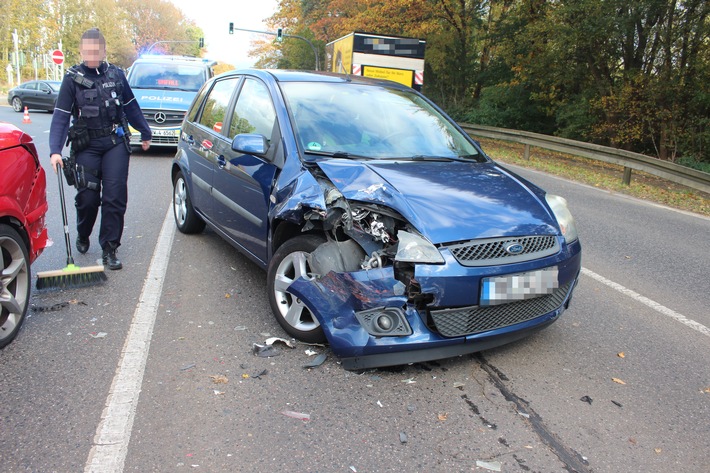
(289,263)
(17,104)
(186,218)
(14,283)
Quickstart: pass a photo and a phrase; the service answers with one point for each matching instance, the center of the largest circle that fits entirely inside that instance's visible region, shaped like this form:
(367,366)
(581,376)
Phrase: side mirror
(250,144)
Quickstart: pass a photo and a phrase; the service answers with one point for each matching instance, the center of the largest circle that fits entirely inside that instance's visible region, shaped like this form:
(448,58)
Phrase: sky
(214,16)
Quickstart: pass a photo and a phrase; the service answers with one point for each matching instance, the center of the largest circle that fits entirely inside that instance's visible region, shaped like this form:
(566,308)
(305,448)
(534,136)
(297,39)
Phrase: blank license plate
(517,287)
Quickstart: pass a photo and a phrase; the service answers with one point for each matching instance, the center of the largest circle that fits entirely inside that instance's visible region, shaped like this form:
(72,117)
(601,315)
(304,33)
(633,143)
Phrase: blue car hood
(164,99)
(446,201)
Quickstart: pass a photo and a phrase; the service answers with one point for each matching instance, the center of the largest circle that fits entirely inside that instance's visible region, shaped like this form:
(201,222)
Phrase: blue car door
(242,182)
(205,142)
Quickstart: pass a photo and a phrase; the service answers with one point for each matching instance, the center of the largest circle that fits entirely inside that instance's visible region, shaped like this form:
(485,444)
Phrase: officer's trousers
(106,163)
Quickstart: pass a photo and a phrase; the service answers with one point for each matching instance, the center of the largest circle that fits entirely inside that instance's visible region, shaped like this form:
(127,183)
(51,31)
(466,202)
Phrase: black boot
(110,259)
(82,244)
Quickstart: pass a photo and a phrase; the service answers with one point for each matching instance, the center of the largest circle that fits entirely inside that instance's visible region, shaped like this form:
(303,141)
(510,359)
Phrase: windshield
(163,75)
(354,120)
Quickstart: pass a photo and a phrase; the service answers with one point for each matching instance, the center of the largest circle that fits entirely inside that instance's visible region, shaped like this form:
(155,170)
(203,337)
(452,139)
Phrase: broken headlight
(414,248)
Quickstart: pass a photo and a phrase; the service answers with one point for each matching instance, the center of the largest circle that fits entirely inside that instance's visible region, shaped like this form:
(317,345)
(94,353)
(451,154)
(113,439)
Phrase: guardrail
(673,172)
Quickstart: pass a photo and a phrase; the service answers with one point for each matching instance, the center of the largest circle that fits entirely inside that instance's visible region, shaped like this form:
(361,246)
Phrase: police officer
(96,96)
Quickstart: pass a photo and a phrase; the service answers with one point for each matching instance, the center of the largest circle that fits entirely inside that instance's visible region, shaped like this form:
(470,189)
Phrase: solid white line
(648,302)
(108,454)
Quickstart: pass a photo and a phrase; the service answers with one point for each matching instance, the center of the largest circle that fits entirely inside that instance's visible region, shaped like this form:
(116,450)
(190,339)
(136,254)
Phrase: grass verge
(601,175)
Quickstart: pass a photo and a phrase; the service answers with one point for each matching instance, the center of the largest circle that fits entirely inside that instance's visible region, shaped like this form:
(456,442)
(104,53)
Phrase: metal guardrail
(673,172)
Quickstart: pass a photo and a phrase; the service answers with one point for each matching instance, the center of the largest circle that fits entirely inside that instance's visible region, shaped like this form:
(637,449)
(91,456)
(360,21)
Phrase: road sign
(57,56)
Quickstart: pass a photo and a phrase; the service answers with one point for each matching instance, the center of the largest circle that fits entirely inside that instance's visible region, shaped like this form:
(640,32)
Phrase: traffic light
(231,28)
(279,34)
(202,42)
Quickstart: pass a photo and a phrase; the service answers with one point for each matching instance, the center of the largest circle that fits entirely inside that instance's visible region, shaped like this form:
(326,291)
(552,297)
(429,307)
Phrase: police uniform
(101,100)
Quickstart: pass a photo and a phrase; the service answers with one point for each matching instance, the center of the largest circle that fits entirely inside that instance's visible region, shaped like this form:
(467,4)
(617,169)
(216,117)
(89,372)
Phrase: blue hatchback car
(385,230)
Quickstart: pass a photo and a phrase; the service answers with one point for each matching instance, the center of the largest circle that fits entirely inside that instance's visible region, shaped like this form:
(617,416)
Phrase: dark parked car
(35,94)
(383,227)
(23,234)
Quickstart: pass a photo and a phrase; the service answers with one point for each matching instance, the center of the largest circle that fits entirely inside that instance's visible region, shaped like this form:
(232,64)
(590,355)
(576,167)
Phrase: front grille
(475,319)
(165,140)
(492,251)
(173,118)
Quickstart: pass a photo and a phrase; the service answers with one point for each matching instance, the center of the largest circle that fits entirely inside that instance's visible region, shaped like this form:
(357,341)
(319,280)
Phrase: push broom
(72,275)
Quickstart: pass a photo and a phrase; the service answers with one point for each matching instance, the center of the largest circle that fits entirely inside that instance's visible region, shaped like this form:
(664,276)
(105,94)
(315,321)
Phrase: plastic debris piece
(219,379)
(99,335)
(409,381)
(379,404)
(618,381)
(527,416)
(353,469)
(621,355)
(459,385)
(443,416)
(187,367)
(402,437)
(297,415)
(259,374)
(410,408)
(488,465)
(240,328)
(618,404)
(310,352)
(317,361)
(265,351)
(218,393)
(586,399)
(272,340)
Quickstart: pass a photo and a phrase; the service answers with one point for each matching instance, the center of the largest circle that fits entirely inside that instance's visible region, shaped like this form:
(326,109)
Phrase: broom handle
(67,240)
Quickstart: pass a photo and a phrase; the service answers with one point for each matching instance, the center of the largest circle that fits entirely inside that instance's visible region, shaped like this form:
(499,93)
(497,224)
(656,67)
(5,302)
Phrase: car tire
(289,263)
(186,218)
(17,104)
(15,276)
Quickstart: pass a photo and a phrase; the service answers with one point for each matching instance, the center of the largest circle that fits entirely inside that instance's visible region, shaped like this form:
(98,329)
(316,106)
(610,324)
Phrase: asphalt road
(154,370)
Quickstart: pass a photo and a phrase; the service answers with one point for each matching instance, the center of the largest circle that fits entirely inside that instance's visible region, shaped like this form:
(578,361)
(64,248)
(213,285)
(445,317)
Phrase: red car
(23,232)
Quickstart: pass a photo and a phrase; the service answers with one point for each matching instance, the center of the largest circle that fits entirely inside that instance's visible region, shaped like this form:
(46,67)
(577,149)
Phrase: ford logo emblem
(514,248)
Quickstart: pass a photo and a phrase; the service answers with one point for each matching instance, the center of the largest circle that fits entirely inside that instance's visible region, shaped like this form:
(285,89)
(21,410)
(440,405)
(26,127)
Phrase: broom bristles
(71,276)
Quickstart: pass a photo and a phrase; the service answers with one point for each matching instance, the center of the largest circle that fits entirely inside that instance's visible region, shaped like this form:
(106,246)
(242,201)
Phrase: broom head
(71,276)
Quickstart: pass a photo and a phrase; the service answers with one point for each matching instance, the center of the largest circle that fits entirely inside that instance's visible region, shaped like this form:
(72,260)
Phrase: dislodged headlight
(564,217)
(416,249)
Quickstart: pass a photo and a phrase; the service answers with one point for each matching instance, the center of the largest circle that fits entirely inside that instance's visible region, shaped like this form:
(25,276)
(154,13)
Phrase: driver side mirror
(250,143)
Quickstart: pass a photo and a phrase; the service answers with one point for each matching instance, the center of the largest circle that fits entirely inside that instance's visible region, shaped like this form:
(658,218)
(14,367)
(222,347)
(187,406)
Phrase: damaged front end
(377,285)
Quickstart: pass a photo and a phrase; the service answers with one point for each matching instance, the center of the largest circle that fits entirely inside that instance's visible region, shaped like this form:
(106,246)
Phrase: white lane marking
(108,454)
(650,303)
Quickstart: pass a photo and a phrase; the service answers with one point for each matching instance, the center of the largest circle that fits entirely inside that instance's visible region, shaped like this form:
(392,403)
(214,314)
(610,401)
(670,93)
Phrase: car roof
(289,75)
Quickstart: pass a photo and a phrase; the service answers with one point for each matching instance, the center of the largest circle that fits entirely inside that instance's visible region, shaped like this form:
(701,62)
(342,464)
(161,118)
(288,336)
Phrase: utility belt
(75,174)
(100,132)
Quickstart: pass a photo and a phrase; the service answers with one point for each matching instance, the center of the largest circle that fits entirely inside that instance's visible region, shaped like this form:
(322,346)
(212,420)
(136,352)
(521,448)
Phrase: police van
(165,87)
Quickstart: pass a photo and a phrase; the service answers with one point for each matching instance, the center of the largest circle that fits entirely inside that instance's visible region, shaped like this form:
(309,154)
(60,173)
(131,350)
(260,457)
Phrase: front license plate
(166,132)
(517,287)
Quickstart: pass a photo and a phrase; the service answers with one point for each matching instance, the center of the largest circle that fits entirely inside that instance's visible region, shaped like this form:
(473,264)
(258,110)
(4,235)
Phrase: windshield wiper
(338,155)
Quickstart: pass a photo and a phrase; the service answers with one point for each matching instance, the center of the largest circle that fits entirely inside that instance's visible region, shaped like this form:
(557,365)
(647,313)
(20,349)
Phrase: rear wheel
(17,104)
(186,218)
(14,283)
(289,263)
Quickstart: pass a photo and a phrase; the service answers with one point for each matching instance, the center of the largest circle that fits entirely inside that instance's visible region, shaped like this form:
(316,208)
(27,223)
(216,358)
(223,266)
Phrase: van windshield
(166,76)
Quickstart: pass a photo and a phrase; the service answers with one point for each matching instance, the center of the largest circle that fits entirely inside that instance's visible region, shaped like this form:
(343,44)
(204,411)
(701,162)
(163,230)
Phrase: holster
(75,174)
(69,170)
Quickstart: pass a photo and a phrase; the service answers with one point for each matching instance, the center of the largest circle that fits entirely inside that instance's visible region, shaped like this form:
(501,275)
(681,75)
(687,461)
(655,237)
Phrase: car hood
(446,201)
(163,99)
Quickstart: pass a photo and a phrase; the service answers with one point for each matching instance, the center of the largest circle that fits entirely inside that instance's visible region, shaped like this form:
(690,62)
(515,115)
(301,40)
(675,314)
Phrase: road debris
(297,415)
(489,465)
(402,437)
(618,381)
(219,379)
(187,367)
(265,351)
(98,335)
(586,399)
(272,340)
(317,361)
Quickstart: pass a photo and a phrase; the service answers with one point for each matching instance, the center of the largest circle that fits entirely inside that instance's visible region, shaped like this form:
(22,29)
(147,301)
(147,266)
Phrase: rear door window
(215,108)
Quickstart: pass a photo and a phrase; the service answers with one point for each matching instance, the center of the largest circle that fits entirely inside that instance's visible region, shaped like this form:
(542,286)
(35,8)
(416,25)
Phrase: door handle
(221,162)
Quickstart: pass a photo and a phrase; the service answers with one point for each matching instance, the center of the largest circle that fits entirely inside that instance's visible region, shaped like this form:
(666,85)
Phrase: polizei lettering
(164,99)
(108,85)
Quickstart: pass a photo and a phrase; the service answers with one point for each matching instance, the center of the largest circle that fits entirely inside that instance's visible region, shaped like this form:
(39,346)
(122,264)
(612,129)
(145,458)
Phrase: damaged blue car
(384,229)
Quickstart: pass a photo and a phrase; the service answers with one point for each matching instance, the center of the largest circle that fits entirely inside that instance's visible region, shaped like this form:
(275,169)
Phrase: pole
(17,55)
(315,51)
